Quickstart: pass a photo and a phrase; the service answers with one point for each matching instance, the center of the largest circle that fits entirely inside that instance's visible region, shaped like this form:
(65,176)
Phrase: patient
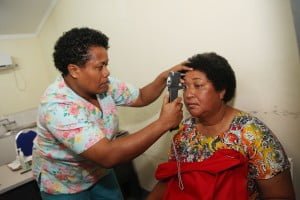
(221,152)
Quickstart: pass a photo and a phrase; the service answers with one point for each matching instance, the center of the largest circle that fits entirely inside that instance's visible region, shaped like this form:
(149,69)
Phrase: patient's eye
(198,86)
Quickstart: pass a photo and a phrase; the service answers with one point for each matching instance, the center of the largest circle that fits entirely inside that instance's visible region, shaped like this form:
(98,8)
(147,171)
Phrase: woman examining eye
(77,148)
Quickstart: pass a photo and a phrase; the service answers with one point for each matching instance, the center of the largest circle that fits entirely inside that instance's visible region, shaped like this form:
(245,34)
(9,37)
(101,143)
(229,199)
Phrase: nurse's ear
(73,70)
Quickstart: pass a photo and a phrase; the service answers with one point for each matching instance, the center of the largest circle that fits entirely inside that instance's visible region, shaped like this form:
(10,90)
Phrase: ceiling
(23,17)
(19,18)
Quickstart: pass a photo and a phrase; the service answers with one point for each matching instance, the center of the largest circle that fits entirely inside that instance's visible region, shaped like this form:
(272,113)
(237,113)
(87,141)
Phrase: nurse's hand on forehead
(182,68)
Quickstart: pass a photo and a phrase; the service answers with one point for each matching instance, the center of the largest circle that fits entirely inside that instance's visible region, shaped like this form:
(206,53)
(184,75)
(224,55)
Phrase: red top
(222,176)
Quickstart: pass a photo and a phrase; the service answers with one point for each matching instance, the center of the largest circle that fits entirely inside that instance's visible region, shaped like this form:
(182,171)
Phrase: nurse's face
(92,77)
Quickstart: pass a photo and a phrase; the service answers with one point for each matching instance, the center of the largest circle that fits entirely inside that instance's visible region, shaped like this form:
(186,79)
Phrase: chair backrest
(24,140)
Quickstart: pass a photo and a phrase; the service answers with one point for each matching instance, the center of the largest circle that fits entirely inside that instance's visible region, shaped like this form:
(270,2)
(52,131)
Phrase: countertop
(11,179)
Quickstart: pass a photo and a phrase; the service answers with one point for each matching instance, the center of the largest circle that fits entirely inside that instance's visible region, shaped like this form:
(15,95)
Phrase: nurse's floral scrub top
(67,126)
(247,135)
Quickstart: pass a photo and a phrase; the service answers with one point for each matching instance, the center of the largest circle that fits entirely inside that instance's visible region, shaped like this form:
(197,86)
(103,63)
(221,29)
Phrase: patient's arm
(157,192)
(277,187)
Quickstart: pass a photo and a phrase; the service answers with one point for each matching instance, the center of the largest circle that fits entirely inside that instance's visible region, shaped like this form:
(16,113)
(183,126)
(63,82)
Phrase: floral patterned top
(247,135)
(67,126)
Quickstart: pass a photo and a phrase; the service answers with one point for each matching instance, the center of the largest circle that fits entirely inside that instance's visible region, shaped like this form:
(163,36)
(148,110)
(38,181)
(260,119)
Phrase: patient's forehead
(195,75)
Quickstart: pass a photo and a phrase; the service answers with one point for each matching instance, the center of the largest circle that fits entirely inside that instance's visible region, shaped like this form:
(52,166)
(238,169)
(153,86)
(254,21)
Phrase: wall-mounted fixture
(6,61)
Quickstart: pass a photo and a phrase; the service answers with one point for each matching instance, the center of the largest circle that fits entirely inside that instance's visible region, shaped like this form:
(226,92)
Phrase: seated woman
(221,152)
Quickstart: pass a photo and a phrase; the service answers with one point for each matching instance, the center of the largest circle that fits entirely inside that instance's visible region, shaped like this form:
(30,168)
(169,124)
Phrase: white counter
(11,179)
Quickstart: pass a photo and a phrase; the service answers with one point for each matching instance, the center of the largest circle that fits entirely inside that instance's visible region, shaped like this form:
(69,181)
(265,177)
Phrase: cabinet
(29,190)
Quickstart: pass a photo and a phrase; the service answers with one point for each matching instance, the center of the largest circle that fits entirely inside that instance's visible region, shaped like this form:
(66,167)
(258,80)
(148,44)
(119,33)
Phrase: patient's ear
(73,70)
(222,94)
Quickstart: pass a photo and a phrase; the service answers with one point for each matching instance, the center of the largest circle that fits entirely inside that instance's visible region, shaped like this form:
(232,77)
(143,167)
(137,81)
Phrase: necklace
(213,128)
(198,121)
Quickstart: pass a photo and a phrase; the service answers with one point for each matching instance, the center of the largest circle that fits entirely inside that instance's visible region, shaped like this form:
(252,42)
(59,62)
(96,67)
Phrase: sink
(8,148)
(25,126)
(7,142)
(4,132)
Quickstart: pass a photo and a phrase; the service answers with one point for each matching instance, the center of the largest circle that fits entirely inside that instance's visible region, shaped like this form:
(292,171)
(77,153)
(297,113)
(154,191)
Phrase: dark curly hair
(217,70)
(73,46)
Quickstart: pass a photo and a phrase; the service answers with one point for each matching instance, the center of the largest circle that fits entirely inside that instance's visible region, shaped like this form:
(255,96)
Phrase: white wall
(296,14)
(257,37)
(21,87)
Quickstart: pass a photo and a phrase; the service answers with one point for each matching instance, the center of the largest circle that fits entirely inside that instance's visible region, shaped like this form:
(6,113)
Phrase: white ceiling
(23,17)
(19,18)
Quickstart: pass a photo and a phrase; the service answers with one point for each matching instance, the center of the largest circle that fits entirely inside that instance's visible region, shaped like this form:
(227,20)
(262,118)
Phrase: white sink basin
(2,131)
(8,148)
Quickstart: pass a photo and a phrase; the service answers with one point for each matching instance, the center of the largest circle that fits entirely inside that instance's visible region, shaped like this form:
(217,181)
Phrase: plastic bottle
(21,159)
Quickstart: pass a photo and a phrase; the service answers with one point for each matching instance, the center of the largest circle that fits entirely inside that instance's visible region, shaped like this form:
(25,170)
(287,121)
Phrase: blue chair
(24,141)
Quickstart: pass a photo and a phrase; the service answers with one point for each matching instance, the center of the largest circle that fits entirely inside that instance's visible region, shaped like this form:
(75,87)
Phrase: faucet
(4,120)
(7,124)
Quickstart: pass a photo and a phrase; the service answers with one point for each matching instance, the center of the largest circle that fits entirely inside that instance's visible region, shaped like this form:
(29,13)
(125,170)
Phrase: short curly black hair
(217,70)
(73,46)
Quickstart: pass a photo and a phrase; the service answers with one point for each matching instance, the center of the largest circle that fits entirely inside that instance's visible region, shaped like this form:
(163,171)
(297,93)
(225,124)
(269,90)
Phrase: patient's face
(200,97)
